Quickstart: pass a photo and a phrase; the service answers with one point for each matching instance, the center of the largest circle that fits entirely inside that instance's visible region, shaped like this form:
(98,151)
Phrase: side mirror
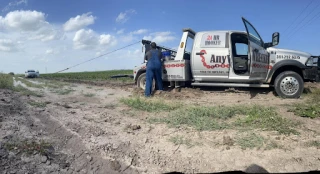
(275,38)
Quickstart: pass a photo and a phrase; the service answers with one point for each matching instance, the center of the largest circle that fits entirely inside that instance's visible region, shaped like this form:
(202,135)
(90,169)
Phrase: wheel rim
(289,85)
(142,83)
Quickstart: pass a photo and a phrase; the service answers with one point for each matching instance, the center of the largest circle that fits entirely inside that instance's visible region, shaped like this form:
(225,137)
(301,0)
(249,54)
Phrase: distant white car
(32,74)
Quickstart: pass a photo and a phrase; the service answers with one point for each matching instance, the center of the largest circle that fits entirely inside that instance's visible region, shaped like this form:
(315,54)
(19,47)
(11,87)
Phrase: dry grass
(25,91)
(310,108)
(6,81)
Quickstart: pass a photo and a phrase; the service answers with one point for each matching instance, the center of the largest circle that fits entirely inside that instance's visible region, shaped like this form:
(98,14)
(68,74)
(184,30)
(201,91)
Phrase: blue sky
(53,35)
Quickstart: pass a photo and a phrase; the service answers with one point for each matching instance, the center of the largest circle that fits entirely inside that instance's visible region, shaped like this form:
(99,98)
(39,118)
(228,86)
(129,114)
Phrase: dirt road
(89,131)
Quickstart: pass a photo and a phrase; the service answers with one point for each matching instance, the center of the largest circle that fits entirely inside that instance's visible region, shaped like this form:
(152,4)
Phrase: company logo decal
(220,61)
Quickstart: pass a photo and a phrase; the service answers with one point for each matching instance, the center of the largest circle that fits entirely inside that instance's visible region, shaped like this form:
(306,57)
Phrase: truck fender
(285,63)
(140,71)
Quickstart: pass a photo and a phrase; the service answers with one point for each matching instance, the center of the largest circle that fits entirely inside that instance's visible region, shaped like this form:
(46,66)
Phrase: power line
(98,57)
(307,23)
(298,15)
(306,16)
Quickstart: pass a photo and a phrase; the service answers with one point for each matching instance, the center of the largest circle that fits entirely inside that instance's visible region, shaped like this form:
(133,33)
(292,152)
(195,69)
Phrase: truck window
(253,35)
(241,49)
(189,45)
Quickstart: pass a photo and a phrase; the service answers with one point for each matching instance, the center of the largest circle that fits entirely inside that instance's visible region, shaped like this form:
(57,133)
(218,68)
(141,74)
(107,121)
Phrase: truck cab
(235,59)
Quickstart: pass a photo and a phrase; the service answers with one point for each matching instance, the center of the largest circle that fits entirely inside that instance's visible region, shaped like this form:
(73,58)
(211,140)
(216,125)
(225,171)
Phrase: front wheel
(141,82)
(289,84)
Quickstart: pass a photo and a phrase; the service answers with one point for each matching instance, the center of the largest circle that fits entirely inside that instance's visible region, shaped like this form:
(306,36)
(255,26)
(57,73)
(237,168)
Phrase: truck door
(210,56)
(258,55)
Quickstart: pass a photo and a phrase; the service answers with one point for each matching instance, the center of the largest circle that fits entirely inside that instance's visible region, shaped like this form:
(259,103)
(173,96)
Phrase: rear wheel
(141,82)
(289,84)
(317,78)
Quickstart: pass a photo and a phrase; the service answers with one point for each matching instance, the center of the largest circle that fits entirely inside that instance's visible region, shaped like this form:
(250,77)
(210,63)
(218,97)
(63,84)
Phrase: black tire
(289,84)
(141,81)
(317,78)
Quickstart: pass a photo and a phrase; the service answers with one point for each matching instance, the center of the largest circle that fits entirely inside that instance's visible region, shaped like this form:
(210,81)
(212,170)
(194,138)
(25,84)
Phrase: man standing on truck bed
(154,67)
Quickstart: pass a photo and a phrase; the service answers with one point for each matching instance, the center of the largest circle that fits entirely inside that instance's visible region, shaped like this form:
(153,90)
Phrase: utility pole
(46,70)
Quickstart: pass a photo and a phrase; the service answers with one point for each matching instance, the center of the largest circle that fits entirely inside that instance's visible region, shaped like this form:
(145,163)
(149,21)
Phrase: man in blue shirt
(154,67)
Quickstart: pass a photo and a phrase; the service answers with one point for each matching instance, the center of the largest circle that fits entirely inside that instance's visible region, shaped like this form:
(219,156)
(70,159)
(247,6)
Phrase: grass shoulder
(208,118)
(310,108)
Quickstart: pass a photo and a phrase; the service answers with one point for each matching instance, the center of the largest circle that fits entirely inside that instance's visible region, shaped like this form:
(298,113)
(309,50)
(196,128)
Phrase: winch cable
(97,57)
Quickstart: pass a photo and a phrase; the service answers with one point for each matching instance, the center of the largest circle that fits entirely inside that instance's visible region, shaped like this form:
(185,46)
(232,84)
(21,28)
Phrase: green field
(97,75)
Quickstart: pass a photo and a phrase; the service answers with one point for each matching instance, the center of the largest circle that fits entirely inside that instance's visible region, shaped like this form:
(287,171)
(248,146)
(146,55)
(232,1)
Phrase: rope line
(97,57)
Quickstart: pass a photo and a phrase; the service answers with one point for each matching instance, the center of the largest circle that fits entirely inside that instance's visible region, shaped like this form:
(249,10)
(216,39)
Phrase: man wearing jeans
(154,67)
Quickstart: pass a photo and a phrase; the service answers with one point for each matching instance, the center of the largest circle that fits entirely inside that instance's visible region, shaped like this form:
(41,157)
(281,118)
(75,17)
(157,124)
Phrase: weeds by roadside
(38,104)
(198,117)
(310,108)
(30,84)
(253,140)
(181,140)
(313,143)
(54,84)
(250,141)
(25,91)
(216,118)
(6,81)
(29,147)
(89,95)
(63,91)
(110,106)
(149,105)
(259,117)
(273,145)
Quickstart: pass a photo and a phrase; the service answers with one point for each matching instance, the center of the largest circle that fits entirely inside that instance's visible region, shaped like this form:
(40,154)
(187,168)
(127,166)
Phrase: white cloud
(124,16)
(85,39)
(30,25)
(52,51)
(47,33)
(79,22)
(120,31)
(106,39)
(88,39)
(23,20)
(7,45)
(13,4)
(26,35)
(132,36)
(98,53)
(141,31)
(127,38)
(49,51)
(160,37)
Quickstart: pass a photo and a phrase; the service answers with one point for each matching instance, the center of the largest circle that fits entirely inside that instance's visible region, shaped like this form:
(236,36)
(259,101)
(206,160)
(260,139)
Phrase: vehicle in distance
(32,74)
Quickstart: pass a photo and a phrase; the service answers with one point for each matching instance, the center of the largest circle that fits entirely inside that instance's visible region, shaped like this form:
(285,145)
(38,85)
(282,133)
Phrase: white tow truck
(234,59)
